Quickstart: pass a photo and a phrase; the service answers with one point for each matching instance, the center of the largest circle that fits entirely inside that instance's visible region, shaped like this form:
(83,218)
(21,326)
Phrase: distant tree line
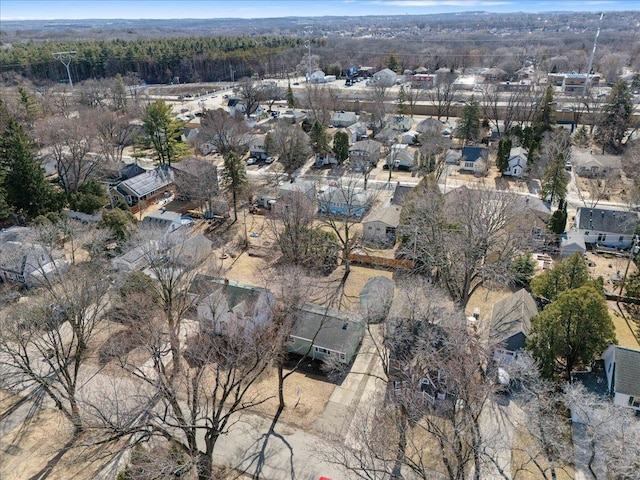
(154,60)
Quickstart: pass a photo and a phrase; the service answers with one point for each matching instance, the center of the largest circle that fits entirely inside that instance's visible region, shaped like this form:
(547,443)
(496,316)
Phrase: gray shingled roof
(328,328)
(389,215)
(511,316)
(627,375)
(601,220)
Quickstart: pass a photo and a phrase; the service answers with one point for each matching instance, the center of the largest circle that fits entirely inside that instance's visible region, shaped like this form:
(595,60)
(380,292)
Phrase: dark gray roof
(331,329)
(471,154)
(627,374)
(370,146)
(601,220)
(512,316)
(234,292)
(400,194)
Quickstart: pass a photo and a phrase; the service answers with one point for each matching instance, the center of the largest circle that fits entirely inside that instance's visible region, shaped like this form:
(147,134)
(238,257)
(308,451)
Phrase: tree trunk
(281,404)
(205,467)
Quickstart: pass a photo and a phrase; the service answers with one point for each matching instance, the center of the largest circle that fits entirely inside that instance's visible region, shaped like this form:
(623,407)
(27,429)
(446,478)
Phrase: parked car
(252,161)
(269,160)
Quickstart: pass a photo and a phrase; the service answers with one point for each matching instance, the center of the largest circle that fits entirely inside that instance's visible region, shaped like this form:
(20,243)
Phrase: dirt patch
(305,395)
(522,467)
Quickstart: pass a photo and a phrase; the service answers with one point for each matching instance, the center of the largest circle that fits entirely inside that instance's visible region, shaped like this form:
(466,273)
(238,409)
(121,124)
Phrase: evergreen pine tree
(504,152)
(25,188)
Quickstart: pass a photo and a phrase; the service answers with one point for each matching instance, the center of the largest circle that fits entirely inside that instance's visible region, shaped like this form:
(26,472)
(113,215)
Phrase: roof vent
(345,325)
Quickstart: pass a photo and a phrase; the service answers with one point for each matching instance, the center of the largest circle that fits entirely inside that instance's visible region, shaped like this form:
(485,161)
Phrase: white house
(317,77)
(609,228)
(225,304)
(410,137)
(385,77)
(474,159)
(622,367)
(517,162)
(25,262)
(165,220)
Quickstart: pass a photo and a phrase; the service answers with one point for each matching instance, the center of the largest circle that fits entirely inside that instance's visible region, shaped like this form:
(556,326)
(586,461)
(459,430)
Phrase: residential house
(321,333)
(400,194)
(400,123)
(429,125)
(343,119)
(223,304)
(511,324)
(257,148)
(591,165)
(493,75)
(474,159)
(357,132)
(344,200)
(317,77)
(145,187)
(622,367)
(135,259)
(26,262)
(410,137)
(401,157)
(364,153)
(324,159)
(306,188)
(165,221)
(293,116)
(385,77)
(236,108)
(609,228)
(572,242)
(380,225)
(517,162)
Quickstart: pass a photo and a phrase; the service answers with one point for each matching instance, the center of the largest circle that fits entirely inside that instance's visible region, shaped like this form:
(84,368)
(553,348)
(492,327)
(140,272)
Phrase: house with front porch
(474,159)
(517,162)
(364,153)
(510,325)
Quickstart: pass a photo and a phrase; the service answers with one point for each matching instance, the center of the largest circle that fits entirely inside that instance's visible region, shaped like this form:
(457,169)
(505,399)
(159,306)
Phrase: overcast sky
(163,9)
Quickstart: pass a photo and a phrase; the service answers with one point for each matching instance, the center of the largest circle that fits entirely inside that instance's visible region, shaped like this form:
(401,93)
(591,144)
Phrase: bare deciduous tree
(463,240)
(71,141)
(225,132)
(45,346)
(320,101)
(342,207)
(199,379)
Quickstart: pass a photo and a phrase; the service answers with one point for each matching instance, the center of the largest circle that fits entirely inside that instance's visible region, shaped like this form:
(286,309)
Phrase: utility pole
(308,45)
(587,81)
(65,58)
